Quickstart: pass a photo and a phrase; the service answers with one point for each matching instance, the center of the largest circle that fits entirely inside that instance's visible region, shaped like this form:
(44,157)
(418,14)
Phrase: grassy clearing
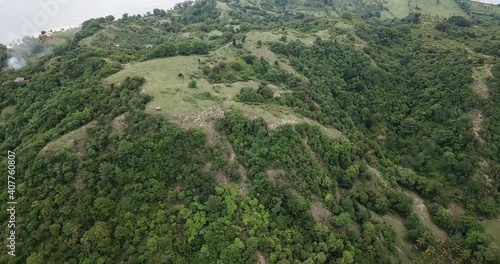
(197,107)
(396,8)
(170,92)
(493,228)
(61,36)
(319,12)
(223,7)
(108,32)
(401,9)
(75,140)
(482,73)
(194,106)
(215,33)
(431,38)
(251,44)
(445,8)
(482,7)
(118,125)
(485,11)
(422,211)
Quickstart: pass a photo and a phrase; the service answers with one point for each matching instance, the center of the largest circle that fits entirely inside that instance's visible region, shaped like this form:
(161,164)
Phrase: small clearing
(493,228)
(456,211)
(482,173)
(207,167)
(75,140)
(378,176)
(320,213)
(271,174)
(481,89)
(261,258)
(222,180)
(251,44)
(118,125)
(477,120)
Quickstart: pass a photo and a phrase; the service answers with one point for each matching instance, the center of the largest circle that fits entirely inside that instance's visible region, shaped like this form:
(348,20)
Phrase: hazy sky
(490,1)
(21,17)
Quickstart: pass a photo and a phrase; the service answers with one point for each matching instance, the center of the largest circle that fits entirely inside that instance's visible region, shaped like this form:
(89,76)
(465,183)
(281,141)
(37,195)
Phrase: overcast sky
(27,17)
(490,1)
(20,17)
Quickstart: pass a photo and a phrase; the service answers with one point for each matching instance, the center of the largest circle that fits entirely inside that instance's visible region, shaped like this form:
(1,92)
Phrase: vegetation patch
(75,140)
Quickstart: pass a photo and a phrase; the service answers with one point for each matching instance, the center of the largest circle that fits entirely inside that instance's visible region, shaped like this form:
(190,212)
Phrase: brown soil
(319,212)
(261,258)
(221,179)
(456,211)
(477,119)
(119,125)
(207,167)
(481,89)
(274,125)
(271,174)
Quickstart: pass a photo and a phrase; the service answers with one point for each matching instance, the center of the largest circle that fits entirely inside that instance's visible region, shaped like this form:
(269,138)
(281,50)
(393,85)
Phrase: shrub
(192,84)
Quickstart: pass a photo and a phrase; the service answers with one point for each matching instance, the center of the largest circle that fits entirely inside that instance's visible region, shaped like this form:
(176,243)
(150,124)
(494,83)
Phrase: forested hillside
(244,131)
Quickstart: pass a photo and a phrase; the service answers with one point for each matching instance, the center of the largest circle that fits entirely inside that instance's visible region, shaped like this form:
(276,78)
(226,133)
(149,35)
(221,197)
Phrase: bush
(443,27)
(192,84)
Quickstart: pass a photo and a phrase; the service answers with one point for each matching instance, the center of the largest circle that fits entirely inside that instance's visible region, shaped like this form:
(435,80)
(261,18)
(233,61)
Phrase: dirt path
(262,260)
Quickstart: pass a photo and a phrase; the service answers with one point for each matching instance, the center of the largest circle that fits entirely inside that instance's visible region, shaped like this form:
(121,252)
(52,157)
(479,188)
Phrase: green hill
(254,131)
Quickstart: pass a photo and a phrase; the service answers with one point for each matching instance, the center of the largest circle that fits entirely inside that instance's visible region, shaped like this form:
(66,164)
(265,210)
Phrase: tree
(443,27)
(3,55)
(159,12)
(347,258)
(341,220)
